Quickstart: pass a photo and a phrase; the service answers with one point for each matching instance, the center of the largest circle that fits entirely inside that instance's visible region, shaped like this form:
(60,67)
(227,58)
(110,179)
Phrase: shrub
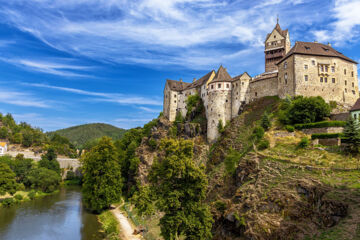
(179,118)
(43,179)
(231,161)
(220,126)
(307,110)
(258,134)
(265,122)
(304,143)
(326,135)
(320,124)
(290,128)
(191,102)
(173,131)
(18,197)
(263,144)
(152,144)
(32,194)
(333,104)
(8,202)
(220,205)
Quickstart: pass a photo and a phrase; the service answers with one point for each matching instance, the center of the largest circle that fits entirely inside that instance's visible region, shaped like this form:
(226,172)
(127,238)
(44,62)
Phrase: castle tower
(219,103)
(277,45)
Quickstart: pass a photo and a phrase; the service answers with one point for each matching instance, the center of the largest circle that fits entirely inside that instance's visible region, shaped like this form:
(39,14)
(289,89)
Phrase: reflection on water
(59,216)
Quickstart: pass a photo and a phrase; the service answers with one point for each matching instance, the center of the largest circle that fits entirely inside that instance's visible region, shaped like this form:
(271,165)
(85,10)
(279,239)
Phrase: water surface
(59,216)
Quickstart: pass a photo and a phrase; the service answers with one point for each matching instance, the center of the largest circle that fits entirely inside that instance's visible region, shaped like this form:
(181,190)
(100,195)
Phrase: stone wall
(239,93)
(323,130)
(286,84)
(264,87)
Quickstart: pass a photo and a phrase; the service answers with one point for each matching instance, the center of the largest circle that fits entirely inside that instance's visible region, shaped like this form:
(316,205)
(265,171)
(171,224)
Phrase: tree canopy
(102,181)
(7,179)
(179,187)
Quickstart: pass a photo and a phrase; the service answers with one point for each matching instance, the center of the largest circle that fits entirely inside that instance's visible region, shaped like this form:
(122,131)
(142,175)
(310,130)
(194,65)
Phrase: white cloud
(105,97)
(150,110)
(21,99)
(49,66)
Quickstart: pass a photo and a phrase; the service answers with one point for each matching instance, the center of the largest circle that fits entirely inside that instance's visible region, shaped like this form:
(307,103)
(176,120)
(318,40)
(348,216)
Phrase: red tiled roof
(356,105)
(315,49)
(201,80)
(177,85)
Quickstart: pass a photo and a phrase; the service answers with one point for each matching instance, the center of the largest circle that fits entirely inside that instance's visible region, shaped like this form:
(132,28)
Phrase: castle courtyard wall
(263,87)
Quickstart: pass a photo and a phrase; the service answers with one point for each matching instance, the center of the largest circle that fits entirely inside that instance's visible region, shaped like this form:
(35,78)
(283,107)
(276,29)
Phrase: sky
(70,62)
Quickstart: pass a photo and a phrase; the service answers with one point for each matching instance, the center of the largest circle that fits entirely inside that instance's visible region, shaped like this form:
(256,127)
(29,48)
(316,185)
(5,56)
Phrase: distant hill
(79,135)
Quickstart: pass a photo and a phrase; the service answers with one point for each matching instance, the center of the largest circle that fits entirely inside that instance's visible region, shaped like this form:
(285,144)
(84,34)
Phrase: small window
(352,74)
(274,36)
(174,95)
(227,85)
(227,100)
(321,68)
(219,85)
(355,116)
(321,79)
(306,77)
(242,83)
(333,80)
(307,48)
(344,71)
(325,79)
(285,65)
(352,84)
(212,86)
(333,69)
(255,94)
(353,92)
(345,82)
(285,76)
(313,62)
(175,101)
(306,66)
(345,90)
(236,84)
(326,68)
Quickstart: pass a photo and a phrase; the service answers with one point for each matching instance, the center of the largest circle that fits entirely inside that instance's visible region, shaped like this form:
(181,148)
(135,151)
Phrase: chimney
(194,79)
(329,44)
(180,79)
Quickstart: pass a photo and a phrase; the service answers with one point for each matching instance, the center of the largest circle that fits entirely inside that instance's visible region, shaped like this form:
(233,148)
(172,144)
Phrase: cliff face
(266,197)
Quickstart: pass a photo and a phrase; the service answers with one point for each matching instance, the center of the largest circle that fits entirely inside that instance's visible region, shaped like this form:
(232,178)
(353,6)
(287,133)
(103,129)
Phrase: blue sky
(69,62)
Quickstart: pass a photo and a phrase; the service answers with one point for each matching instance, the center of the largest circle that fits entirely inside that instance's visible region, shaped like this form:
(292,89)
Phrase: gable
(245,76)
(271,37)
(210,78)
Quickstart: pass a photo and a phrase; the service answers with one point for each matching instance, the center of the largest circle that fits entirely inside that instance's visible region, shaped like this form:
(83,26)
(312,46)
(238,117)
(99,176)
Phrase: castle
(307,69)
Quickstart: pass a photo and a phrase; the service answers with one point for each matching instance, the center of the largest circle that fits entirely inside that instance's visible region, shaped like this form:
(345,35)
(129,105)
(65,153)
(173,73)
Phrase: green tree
(180,188)
(44,179)
(352,135)
(102,180)
(308,110)
(231,161)
(7,180)
(4,133)
(265,122)
(27,138)
(22,167)
(17,138)
(49,161)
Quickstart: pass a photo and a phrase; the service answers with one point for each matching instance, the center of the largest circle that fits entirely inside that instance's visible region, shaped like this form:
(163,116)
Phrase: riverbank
(8,200)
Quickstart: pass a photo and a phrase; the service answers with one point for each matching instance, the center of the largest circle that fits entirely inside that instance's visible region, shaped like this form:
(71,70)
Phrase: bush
(265,122)
(220,126)
(18,197)
(258,134)
(304,143)
(220,205)
(44,179)
(179,118)
(320,124)
(8,202)
(290,128)
(152,144)
(326,135)
(231,161)
(32,194)
(304,110)
(263,144)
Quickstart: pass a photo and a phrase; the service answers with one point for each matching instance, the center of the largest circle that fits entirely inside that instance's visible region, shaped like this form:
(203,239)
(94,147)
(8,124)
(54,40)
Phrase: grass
(109,225)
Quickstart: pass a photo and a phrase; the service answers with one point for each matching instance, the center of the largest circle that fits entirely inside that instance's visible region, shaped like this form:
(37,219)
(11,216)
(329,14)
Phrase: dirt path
(125,225)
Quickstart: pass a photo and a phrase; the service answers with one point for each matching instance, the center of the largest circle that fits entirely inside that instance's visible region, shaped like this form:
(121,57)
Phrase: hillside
(279,191)
(79,135)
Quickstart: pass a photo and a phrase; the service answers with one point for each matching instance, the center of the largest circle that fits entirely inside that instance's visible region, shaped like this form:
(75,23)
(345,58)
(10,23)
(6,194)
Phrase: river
(58,216)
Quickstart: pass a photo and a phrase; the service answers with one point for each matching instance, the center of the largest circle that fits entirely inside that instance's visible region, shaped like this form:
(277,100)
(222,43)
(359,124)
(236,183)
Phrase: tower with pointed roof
(277,45)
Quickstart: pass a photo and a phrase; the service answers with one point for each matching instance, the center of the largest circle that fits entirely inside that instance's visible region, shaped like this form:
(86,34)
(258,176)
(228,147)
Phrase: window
(219,85)
(355,116)
(227,100)
(325,79)
(353,92)
(352,84)
(326,68)
(321,79)
(345,90)
(212,86)
(175,101)
(321,68)
(306,67)
(306,77)
(344,71)
(333,69)
(285,65)
(352,74)
(242,83)
(313,62)
(333,80)
(274,36)
(174,95)
(227,85)
(255,94)
(345,82)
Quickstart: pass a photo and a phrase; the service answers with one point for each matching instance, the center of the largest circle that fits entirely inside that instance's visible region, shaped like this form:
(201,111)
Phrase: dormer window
(307,48)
